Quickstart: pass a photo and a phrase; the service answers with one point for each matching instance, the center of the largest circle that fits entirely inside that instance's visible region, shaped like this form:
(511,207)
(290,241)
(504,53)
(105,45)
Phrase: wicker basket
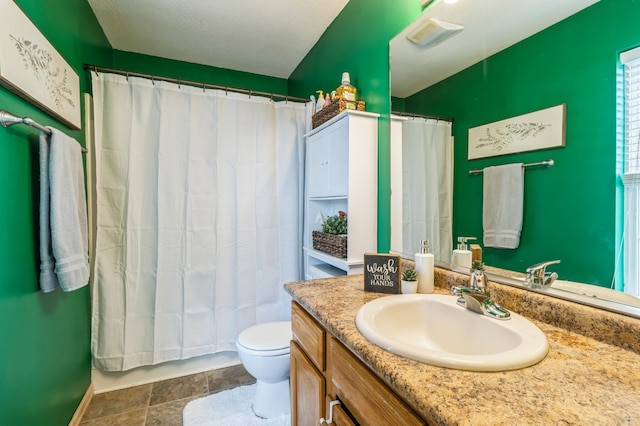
(333,109)
(335,245)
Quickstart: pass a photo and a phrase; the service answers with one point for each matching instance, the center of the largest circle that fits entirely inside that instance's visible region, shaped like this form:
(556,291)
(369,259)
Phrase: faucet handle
(481,303)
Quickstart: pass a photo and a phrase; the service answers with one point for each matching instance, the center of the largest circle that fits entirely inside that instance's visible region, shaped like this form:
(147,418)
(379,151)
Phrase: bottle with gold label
(346,91)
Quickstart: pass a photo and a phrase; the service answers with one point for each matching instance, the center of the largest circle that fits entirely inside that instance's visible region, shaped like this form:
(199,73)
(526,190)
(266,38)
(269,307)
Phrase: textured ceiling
(490,26)
(268,38)
(272,37)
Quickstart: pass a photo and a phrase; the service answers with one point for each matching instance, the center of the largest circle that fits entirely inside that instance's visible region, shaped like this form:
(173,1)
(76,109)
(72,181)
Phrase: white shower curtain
(427,186)
(198,218)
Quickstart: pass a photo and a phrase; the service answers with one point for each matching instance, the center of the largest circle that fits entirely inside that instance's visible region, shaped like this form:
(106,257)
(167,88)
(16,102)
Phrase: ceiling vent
(433,31)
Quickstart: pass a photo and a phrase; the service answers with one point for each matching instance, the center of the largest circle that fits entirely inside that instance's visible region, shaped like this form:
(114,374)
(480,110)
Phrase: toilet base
(272,399)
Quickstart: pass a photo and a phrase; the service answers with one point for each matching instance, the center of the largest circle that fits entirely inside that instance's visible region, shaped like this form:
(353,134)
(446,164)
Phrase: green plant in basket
(336,225)
(409,274)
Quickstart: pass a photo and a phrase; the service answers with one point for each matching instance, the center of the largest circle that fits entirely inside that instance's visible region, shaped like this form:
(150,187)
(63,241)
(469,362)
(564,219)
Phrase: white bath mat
(228,408)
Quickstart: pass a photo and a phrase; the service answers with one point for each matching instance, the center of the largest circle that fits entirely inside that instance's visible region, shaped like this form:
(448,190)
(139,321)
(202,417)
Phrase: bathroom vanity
(589,376)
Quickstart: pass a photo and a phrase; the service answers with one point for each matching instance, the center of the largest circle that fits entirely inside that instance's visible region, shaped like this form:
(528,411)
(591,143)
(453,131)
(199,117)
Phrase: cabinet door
(307,390)
(328,161)
(365,396)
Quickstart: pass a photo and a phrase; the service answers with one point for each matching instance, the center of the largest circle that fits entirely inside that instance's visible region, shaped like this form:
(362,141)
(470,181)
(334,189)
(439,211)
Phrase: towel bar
(546,163)
(7,119)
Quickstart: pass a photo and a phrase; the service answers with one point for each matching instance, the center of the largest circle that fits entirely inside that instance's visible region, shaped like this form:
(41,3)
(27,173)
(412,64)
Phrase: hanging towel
(48,279)
(503,194)
(64,243)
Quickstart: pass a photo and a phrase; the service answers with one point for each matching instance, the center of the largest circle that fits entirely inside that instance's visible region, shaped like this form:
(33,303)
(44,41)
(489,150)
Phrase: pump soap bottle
(320,102)
(462,255)
(424,267)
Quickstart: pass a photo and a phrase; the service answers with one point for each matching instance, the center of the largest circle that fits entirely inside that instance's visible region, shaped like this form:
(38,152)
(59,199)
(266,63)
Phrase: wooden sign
(382,273)
(32,68)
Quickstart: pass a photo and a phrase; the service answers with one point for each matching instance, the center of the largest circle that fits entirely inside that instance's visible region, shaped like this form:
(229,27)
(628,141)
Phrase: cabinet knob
(330,420)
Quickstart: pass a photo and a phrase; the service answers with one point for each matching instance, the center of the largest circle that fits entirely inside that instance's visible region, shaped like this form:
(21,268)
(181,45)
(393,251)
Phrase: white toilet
(264,351)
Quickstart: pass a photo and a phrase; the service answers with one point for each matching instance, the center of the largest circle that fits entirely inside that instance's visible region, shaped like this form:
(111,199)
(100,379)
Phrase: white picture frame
(528,132)
(32,68)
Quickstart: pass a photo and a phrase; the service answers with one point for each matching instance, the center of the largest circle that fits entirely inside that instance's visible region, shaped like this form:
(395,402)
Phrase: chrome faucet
(482,304)
(478,301)
(537,276)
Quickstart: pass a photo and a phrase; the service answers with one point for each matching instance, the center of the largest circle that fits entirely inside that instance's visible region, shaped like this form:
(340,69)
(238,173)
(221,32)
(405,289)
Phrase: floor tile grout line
(147,408)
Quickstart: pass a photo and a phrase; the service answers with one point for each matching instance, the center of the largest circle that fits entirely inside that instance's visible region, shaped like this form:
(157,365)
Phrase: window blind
(631,172)
(631,62)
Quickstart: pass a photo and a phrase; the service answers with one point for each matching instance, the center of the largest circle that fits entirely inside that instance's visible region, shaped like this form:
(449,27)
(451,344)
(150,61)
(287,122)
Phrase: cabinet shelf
(339,263)
(329,198)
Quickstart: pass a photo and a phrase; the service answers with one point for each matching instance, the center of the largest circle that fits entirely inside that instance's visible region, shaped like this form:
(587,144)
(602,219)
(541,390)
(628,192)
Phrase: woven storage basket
(335,245)
(333,109)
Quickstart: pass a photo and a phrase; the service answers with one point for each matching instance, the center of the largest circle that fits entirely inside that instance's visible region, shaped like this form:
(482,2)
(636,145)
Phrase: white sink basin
(597,292)
(433,329)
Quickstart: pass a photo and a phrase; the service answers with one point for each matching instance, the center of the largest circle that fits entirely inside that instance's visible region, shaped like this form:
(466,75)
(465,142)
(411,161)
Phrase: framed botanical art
(32,68)
(528,132)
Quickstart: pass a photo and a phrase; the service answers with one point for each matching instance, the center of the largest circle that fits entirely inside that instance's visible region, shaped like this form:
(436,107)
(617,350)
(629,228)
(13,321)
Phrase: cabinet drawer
(309,335)
(366,397)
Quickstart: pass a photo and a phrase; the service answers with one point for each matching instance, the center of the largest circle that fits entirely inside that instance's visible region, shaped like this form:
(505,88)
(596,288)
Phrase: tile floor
(160,403)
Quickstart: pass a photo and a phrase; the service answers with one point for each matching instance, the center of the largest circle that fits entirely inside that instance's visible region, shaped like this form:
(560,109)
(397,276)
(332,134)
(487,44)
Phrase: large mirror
(514,58)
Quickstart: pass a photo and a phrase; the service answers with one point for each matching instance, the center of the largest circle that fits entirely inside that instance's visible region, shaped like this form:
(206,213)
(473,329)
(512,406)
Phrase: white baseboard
(82,407)
(105,381)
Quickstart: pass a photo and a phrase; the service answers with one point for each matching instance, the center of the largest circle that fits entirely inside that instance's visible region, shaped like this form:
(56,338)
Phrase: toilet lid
(267,337)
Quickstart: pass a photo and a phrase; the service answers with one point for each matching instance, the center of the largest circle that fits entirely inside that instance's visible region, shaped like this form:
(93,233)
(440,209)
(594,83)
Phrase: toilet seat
(267,339)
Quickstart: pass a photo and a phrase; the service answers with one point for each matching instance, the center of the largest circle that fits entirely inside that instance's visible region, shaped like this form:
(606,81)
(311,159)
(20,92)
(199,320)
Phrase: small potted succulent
(409,281)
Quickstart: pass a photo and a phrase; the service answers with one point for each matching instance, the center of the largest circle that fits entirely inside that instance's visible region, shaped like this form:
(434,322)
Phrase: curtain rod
(545,163)
(7,119)
(193,83)
(412,115)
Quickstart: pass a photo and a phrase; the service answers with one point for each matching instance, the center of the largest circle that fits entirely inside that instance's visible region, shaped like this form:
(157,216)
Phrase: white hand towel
(67,212)
(503,196)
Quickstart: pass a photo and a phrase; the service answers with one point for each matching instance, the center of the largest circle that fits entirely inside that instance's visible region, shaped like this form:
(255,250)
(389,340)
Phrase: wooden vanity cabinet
(363,394)
(324,370)
(308,362)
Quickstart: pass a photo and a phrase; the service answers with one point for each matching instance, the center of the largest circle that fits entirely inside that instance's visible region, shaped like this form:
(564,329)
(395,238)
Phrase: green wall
(45,361)
(201,73)
(358,42)
(569,208)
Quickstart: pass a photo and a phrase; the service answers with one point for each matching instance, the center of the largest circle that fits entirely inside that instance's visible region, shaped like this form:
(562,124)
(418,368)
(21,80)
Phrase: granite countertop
(589,377)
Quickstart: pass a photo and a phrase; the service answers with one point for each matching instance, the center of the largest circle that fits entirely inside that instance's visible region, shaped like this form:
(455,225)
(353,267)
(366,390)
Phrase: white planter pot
(409,287)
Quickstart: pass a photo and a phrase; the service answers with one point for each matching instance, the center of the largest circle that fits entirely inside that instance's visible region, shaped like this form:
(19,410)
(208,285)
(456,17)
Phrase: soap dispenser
(424,267)
(320,101)
(462,255)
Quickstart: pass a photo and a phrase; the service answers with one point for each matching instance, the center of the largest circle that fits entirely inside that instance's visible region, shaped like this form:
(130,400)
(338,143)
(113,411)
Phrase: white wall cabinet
(342,174)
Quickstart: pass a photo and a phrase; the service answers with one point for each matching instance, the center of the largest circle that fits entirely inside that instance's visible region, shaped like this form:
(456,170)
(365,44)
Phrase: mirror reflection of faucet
(538,277)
